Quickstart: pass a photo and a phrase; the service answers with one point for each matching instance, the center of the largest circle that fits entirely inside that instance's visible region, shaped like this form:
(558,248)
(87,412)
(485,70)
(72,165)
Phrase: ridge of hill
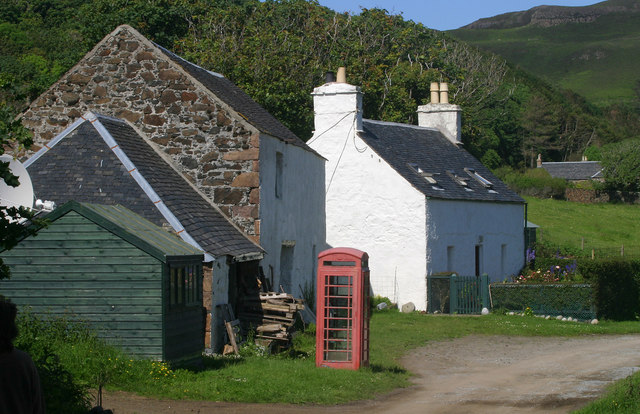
(592,50)
(547,16)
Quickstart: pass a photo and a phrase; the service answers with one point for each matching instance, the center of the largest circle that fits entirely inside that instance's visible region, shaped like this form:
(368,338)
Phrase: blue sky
(447,14)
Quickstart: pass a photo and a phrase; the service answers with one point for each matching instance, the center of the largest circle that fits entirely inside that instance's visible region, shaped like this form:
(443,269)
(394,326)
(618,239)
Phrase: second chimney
(441,114)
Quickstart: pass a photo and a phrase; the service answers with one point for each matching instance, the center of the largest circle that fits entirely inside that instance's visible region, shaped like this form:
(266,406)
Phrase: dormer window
(483,181)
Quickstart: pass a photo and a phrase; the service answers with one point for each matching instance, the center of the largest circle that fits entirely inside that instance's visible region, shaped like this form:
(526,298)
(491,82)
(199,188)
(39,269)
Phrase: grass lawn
(296,379)
(605,227)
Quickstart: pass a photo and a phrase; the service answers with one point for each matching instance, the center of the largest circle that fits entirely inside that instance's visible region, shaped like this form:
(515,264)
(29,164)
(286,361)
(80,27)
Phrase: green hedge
(575,300)
(616,285)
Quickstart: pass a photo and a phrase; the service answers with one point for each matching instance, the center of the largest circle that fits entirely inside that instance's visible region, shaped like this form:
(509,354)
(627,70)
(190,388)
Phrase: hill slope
(592,50)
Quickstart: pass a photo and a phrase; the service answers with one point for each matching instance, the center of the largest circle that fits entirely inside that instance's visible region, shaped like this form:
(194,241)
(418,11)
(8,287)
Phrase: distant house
(573,171)
(137,285)
(412,197)
(254,169)
(100,159)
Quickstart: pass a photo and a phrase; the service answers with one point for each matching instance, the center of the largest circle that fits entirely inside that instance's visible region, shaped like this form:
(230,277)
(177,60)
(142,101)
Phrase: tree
(621,166)
(16,137)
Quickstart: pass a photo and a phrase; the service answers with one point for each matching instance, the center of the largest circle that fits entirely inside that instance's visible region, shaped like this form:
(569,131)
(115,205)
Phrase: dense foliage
(616,287)
(279,50)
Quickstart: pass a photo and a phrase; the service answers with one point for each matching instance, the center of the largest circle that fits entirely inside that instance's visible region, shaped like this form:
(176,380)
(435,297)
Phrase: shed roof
(133,228)
(104,160)
(433,164)
(574,170)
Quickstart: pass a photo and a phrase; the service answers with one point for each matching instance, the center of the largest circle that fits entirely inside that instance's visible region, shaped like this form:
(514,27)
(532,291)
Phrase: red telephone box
(342,331)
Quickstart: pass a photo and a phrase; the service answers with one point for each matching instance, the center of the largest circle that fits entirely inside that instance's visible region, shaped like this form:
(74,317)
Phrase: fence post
(484,286)
(453,294)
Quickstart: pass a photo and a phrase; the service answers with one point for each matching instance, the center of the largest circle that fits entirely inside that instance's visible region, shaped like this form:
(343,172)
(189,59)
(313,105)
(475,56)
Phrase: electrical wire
(331,127)
(339,158)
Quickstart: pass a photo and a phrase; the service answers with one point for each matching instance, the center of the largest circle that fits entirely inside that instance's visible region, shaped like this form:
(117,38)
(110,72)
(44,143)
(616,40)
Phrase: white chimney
(441,114)
(337,105)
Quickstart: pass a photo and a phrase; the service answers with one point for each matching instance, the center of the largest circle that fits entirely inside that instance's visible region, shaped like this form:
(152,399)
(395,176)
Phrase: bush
(63,392)
(616,287)
(534,182)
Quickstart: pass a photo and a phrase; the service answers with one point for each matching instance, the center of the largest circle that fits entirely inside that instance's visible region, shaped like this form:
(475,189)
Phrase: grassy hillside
(604,227)
(598,60)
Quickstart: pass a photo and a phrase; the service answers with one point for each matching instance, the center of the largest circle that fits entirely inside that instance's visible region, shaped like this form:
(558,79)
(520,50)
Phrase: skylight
(483,181)
(460,180)
(429,177)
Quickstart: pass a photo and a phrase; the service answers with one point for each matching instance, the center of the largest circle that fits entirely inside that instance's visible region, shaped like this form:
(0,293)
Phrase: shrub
(64,393)
(616,287)
(534,182)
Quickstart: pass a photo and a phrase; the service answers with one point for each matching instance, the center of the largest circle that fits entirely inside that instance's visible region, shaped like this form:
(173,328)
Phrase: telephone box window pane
(340,291)
(338,323)
(337,356)
(339,280)
(335,334)
(339,302)
(337,313)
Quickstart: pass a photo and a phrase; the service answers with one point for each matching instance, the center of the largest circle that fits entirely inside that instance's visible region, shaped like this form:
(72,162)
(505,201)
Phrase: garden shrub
(63,392)
(575,300)
(535,182)
(616,285)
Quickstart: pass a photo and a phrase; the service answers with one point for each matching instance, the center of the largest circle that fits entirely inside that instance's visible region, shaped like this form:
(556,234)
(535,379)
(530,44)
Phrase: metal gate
(453,294)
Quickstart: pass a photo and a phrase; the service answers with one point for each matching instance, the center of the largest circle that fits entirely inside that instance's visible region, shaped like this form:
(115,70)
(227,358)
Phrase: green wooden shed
(136,284)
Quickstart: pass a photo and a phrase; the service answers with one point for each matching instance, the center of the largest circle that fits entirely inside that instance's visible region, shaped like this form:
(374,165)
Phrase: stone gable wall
(127,78)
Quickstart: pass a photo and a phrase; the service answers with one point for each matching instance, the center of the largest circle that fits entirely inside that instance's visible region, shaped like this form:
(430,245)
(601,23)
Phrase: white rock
(559,317)
(382,305)
(485,311)
(408,307)
(510,313)
(564,319)
(548,317)
(594,321)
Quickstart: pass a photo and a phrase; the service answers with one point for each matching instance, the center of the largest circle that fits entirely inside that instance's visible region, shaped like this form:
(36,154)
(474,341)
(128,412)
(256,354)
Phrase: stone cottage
(260,174)
(412,197)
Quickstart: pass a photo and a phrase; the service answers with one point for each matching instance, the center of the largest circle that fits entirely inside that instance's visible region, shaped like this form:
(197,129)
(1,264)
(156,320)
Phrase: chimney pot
(329,77)
(342,75)
(444,93)
(539,161)
(435,97)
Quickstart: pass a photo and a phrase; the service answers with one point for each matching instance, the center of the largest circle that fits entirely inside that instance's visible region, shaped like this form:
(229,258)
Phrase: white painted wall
(465,224)
(298,216)
(369,206)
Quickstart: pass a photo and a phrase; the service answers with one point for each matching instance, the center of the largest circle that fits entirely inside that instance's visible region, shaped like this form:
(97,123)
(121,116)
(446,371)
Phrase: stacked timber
(272,316)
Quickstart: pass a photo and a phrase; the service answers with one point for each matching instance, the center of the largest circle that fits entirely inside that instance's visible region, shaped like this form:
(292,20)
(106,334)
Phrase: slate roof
(103,160)
(416,152)
(574,170)
(238,100)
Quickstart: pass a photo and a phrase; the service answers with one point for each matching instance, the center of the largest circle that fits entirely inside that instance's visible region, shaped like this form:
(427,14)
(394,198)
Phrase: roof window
(429,177)
(480,179)
(462,181)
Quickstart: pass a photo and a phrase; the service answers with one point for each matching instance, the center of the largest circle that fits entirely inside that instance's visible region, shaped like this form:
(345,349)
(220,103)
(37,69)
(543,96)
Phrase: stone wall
(583,195)
(126,76)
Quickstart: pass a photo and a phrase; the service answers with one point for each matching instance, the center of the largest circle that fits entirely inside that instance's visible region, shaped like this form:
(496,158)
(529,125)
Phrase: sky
(447,14)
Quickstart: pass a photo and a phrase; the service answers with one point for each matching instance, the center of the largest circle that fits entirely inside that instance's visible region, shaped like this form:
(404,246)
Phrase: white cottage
(412,197)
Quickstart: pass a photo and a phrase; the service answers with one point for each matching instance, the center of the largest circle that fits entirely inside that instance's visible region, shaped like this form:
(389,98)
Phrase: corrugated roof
(433,164)
(104,160)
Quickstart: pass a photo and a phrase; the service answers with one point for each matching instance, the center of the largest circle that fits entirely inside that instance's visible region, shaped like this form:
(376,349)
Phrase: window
(450,259)
(478,257)
(460,180)
(429,177)
(483,181)
(279,166)
(185,285)
(286,267)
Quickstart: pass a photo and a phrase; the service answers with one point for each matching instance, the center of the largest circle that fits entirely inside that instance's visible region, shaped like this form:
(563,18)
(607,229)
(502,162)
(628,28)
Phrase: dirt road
(479,374)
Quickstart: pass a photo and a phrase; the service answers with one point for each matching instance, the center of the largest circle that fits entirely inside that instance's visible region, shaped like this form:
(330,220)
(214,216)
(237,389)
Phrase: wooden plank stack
(272,316)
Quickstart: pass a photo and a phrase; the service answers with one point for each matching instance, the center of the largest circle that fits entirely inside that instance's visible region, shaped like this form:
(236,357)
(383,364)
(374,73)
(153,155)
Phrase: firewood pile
(272,316)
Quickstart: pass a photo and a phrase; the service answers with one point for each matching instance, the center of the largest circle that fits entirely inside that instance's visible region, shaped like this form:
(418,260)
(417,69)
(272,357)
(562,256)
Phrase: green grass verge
(623,397)
(293,378)
(296,380)
(605,227)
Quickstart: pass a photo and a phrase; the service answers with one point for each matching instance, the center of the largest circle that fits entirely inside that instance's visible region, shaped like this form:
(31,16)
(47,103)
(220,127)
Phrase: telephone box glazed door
(342,331)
